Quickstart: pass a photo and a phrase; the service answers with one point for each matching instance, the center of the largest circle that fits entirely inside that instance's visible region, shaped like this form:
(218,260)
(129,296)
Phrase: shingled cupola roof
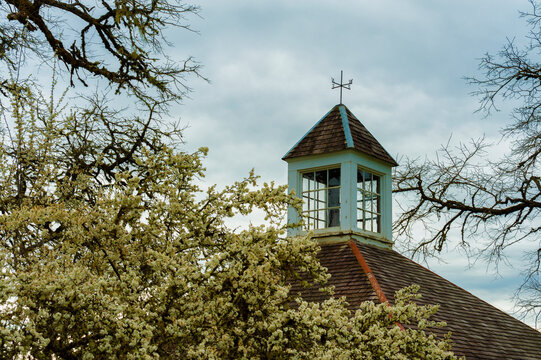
(339,130)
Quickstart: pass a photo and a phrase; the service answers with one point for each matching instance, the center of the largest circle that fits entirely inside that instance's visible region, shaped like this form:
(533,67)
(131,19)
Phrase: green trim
(350,160)
(345,125)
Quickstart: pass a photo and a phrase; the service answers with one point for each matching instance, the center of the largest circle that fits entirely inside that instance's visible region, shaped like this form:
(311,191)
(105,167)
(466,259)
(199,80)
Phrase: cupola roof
(339,130)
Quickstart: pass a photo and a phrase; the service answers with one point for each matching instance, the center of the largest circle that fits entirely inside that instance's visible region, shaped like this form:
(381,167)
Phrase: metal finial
(341,85)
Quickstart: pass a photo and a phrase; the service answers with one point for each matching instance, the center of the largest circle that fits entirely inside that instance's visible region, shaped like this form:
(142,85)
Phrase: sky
(270,65)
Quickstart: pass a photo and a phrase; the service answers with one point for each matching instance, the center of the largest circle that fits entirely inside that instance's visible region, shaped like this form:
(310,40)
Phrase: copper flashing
(479,331)
(370,275)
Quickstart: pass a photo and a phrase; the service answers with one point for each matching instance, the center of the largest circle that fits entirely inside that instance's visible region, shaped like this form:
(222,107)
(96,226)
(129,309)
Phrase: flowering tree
(108,247)
(116,252)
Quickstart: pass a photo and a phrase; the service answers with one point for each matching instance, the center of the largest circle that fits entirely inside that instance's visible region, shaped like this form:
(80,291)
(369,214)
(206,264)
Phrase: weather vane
(341,85)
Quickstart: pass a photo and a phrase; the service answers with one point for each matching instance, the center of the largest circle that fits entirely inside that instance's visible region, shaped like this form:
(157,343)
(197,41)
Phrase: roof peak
(339,130)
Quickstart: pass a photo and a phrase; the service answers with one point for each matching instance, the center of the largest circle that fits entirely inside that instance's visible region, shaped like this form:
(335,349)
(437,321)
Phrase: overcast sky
(270,65)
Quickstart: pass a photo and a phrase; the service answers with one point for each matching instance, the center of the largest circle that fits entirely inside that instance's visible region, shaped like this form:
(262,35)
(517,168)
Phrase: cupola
(343,175)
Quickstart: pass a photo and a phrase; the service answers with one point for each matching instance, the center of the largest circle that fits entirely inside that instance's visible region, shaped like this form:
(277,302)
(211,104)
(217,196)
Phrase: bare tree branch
(489,204)
(120,41)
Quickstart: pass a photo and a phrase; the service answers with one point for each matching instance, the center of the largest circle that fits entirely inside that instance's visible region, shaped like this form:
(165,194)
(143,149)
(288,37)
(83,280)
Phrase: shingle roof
(348,278)
(338,130)
(479,330)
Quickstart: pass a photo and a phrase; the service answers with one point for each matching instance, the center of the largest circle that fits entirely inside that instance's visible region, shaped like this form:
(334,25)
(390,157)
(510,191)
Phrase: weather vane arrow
(341,85)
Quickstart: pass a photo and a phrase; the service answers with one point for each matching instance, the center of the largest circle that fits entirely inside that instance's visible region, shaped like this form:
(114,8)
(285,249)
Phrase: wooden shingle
(339,130)
(479,330)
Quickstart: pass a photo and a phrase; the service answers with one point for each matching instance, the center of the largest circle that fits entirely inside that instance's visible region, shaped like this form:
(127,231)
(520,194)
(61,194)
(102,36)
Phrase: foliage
(109,248)
(492,203)
(121,42)
(120,254)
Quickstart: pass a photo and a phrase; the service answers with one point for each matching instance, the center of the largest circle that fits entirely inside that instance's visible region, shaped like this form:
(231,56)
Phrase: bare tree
(491,203)
(120,41)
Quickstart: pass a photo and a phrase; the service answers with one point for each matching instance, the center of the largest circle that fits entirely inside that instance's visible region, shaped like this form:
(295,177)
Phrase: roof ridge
(369,274)
(345,125)
(339,129)
(480,330)
(454,285)
(371,277)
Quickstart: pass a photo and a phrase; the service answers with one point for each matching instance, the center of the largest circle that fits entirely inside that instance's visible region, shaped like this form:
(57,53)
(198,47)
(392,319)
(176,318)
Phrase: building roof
(339,130)
(479,330)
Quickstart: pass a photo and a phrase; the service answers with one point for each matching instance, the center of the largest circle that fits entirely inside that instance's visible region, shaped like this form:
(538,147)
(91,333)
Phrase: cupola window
(368,201)
(321,198)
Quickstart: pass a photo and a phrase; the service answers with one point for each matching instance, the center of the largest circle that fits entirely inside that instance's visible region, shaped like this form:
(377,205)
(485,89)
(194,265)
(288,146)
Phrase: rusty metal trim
(371,277)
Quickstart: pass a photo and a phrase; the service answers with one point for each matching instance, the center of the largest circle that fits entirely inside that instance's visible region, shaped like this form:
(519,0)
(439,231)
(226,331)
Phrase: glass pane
(366,182)
(321,179)
(334,177)
(311,223)
(319,200)
(334,217)
(375,184)
(322,216)
(360,223)
(306,177)
(363,176)
(322,198)
(359,176)
(334,197)
(366,202)
(313,214)
(367,176)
